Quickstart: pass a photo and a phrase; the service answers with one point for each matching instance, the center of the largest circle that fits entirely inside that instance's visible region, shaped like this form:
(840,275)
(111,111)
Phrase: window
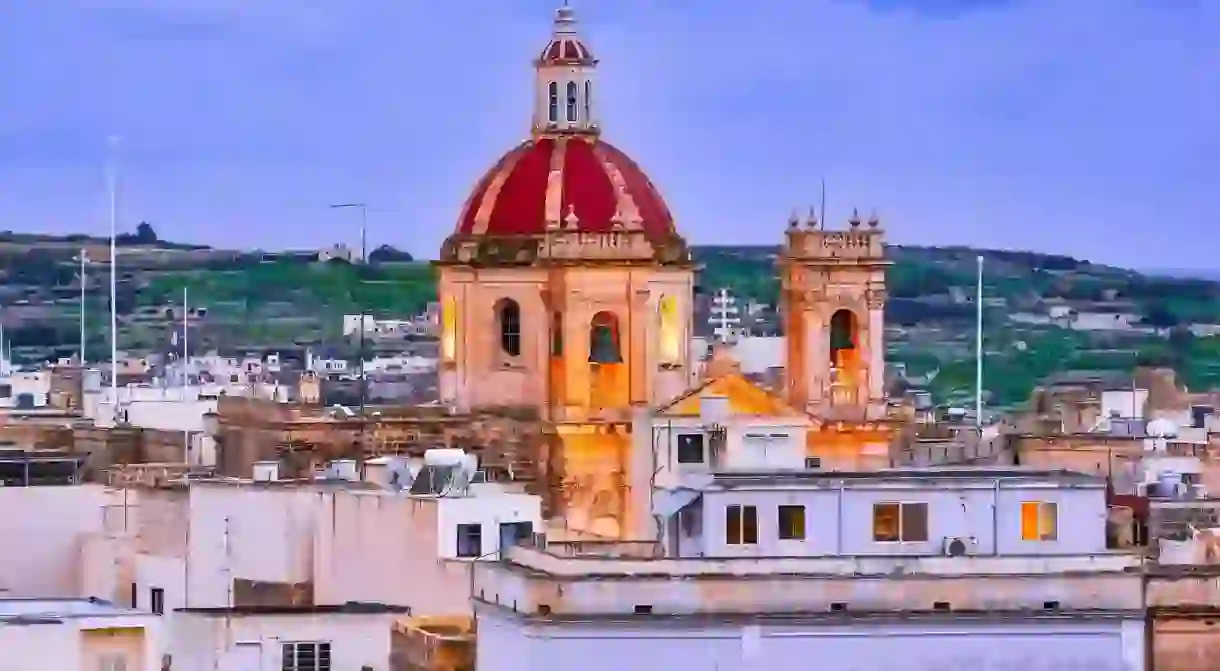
(554,102)
(135,595)
(792,523)
(156,600)
(515,533)
(589,101)
(112,661)
(557,334)
(6,390)
(571,101)
(305,657)
(690,448)
(1039,521)
(741,525)
(670,318)
(900,522)
(470,540)
(508,316)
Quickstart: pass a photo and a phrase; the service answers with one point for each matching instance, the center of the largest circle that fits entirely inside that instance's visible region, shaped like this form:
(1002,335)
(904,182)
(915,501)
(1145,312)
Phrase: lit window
(792,523)
(900,522)
(305,657)
(670,331)
(1039,521)
(741,525)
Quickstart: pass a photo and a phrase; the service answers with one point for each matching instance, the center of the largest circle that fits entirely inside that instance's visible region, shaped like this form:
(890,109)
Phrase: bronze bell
(603,346)
(842,327)
(840,338)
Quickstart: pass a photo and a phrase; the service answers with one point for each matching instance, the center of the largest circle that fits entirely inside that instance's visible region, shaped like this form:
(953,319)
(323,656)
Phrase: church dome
(566,47)
(565,181)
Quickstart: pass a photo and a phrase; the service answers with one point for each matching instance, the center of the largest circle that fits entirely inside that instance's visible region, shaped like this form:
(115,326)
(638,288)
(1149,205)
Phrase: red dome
(563,50)
(577,182)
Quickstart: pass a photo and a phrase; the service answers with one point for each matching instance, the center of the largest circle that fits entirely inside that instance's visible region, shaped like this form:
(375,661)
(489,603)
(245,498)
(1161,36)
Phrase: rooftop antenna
(112,186)
(823,182)
(186,376)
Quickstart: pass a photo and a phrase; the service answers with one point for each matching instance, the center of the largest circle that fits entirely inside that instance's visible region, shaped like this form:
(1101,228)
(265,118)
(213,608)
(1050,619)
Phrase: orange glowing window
(1039,521)
(449,328)
(791,522)
(741,525)
(900,522)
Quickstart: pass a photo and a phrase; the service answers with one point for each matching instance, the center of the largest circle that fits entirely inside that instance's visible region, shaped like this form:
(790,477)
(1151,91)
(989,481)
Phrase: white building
(25,390)
(71,634)
(241,571)
(748,554)
(756,570)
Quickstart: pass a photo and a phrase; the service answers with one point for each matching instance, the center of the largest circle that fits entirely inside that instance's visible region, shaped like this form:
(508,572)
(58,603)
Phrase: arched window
(842,333)
(588,101)
(553,90)
(571,101)
(670,330)
(508,320)
(605,345)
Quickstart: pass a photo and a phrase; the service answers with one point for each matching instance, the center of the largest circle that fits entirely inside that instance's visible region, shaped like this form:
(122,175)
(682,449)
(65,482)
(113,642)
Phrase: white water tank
(714,409)
(444,456)
(377,471)
(266,471)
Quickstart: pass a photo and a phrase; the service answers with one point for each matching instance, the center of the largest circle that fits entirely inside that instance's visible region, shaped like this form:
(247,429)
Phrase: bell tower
(833,302)
(564,80)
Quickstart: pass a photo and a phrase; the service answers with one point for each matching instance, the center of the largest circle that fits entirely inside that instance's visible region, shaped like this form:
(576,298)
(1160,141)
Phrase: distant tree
(1159,315)
(1181,339)
(388,254)
(145,235)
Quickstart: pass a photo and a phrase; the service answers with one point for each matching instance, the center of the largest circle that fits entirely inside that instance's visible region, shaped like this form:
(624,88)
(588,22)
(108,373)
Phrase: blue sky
(1089,127)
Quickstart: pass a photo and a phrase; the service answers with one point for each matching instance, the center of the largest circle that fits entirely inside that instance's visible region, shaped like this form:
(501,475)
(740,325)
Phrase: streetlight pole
(83,260)
(112,185)
(363,259)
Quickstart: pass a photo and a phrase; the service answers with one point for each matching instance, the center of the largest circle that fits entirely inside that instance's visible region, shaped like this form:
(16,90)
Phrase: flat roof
(348,608)
(729,479)
(33,608)
(832,618)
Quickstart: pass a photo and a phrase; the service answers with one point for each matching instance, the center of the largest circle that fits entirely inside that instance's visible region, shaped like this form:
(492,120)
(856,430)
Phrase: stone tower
(833,303)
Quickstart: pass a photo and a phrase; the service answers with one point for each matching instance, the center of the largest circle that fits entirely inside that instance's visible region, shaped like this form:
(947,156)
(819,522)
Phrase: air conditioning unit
(959,546)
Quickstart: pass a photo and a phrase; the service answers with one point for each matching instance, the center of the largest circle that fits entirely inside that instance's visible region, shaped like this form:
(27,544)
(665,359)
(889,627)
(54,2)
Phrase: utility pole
(978,348)
(83,260)
(360,279)
(112,185)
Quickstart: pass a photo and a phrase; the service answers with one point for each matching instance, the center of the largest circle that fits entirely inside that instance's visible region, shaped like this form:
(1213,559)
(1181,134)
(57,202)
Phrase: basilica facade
(567,288)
